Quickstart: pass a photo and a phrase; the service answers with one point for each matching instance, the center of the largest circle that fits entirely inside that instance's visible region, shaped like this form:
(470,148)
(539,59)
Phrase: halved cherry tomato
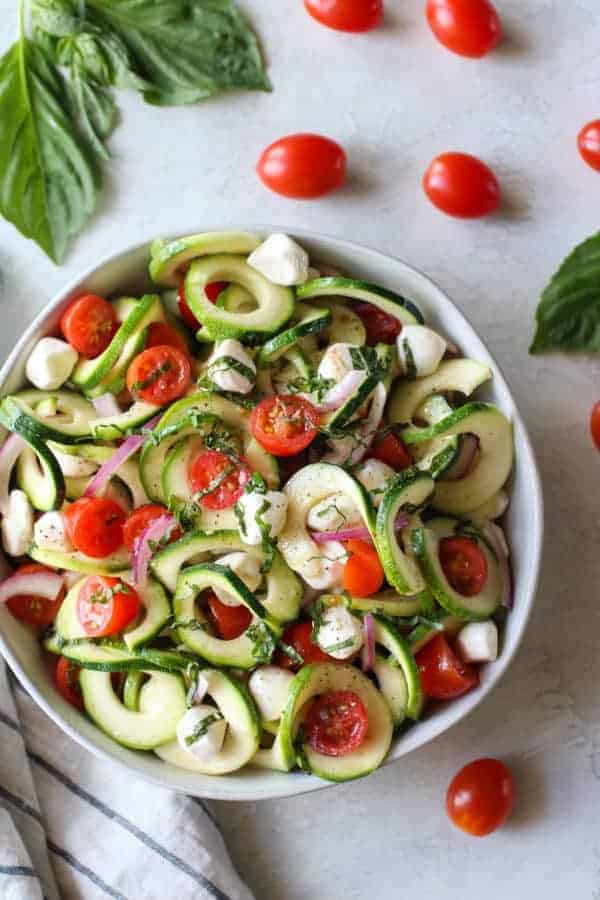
(89,324)
(595,424)
(159,375)
(443,675)
(219,479)
(390,450)
(467,27)
(139,520)
(588,142)
(303,166)
(161,334)
(66,678)
(284,424)
(298,636)
(36,611)
(381,328)
(229,621)
(211,290)
(461,185)
(346,15)
(336,723)
(106,605)
(481,796)
(464,565)
(363,572)
(94,525)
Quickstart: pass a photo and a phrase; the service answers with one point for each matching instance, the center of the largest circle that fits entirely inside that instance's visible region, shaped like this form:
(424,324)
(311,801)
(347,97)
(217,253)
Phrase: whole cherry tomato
(346,15)
(462,185)
(588,142)
(303,166)
(467,27)
(595,424)
(481,796)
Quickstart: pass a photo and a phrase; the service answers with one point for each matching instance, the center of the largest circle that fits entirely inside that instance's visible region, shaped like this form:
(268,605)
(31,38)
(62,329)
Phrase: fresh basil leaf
(94,108)
(48,182)
(568,316)
(187,52)
(58,18)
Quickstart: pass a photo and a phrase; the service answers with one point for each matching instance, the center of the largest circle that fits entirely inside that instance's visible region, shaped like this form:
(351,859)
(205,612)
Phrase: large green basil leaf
(568,315)
(48,182)
(186,51)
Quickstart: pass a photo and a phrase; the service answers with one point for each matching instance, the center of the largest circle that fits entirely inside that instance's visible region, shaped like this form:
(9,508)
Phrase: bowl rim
(453,714)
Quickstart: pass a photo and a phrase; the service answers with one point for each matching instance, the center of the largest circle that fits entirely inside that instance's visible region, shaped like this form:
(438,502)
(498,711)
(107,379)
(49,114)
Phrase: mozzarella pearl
(244,565)
(50,363)
(333,513)
(375,477)
(339,626)
(17,524)
(477,642)
(224,375)
(270,687)
(336,362)
(49,533)
(250,504)
(326,571)
(421,347)
(281,260)
(207,746)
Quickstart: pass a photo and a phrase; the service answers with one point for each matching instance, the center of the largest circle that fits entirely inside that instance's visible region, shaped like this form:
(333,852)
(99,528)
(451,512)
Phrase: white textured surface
(395,99)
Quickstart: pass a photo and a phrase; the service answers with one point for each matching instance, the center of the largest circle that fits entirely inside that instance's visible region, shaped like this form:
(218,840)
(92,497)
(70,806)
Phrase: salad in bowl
(253,516)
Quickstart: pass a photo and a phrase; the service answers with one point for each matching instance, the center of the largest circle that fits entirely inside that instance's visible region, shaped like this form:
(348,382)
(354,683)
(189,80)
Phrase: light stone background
(394,99)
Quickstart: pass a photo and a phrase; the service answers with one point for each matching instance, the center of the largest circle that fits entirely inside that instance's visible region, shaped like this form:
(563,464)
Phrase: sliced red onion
(359,533)
(339,393)
(496,538)
(9,453)
(469,446)
(129,446)
(142,551)
(34,584)
(368,653)
(106,405)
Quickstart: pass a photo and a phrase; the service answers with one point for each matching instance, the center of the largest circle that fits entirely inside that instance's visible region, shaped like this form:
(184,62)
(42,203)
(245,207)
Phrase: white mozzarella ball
(336,362)
(420,347)
(270,687)
(49,533)
(325,569)
(244,565)
(333,513)
(250,504)
(17,524)
(74,466)
(201,732)
(50,363)
(281,260)
(477,642)
(224,374)
(340,634)
(375,477)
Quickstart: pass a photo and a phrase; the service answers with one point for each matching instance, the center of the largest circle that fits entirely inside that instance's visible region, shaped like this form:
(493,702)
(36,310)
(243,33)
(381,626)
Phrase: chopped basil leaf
(202,727)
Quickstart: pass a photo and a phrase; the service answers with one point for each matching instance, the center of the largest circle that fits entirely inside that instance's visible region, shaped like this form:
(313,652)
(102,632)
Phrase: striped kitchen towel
(74,827)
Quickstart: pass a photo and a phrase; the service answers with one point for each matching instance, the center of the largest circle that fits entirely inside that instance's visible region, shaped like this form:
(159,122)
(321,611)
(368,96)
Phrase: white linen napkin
(74,827)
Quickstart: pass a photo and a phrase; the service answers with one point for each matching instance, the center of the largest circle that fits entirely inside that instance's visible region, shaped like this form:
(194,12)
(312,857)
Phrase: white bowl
(126,272)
